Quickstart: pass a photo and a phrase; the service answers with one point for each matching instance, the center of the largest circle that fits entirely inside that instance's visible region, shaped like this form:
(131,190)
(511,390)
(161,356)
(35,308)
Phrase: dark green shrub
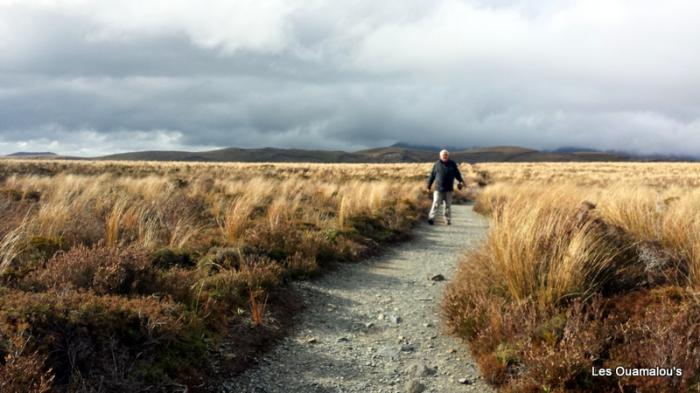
(221,258)
(166,258)
(180,183)
(233,286)
(372,227)
(33,196)
(11,194)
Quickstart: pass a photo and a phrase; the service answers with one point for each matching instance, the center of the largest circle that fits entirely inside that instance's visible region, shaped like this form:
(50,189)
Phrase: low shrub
(232,288)
(166,258)
(371,226)
(95,342)
(22,372)
(103,270)
(522,349)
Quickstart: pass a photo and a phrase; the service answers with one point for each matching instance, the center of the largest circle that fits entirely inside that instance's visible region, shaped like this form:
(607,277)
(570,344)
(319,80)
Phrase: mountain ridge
(32,154)
(396,153)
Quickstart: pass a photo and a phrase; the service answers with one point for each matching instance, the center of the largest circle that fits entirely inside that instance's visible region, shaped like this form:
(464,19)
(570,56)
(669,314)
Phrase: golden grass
(628,196)
(584,264)
(234,218)
(660,176)
(536,249)
(257,308)
(210,245)
(188,204)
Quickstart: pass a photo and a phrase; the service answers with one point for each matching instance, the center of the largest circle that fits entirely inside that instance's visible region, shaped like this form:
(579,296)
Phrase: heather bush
(167,258)
(104,270)
(222,258)
(178,284)
(22,372)
(276,242)
(108,341)
(656,328)
(521,348)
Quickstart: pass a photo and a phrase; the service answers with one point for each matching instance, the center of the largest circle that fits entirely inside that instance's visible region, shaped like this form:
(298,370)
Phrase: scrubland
(585,266)
(133,276)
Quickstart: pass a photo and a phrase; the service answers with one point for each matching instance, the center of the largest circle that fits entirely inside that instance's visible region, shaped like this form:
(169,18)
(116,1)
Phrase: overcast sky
(93,77)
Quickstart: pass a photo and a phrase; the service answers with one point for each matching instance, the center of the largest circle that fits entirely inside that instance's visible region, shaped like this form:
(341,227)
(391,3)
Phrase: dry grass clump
(572,277)
(656,175)
(547,249)
(666,222)
(121,275)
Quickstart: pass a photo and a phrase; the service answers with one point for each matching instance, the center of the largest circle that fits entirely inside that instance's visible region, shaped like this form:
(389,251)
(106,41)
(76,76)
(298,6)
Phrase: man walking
(445,171)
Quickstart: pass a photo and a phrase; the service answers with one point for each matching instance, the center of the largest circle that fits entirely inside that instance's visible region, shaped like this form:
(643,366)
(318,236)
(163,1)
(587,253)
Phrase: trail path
(375,326)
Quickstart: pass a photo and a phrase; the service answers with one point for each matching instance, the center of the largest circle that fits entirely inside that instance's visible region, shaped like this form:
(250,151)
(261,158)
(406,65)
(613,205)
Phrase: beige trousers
(438,198)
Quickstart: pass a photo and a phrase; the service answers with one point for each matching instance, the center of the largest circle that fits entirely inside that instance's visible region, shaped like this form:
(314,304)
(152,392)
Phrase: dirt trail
(375,326)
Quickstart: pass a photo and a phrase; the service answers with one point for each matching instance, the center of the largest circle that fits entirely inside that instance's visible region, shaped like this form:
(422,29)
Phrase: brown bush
(104,270)
(231,289)
(22,372)
(522,349)
(492,369)
(108,341)
(657,328)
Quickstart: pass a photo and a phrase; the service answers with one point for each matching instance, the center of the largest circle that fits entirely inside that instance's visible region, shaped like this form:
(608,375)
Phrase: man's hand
(460,185)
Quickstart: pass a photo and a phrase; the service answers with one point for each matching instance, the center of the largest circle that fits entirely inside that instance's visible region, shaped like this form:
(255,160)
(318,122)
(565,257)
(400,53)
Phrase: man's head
(444,155)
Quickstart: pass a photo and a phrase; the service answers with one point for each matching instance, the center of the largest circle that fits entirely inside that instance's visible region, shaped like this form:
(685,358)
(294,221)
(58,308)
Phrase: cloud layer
(85,77)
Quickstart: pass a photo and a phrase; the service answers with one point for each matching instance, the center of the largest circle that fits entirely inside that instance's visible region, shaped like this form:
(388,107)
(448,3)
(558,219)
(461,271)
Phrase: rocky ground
(375,326)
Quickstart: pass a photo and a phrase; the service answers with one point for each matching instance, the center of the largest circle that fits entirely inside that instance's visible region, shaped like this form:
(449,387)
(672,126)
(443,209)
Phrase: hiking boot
(431,221)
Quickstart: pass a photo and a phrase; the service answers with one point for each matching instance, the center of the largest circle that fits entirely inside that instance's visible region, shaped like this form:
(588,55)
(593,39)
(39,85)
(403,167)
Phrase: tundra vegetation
(584,266)
(132,276)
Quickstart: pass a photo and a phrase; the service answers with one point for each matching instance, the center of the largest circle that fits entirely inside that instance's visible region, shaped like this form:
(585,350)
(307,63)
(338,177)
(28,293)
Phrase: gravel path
(375,326)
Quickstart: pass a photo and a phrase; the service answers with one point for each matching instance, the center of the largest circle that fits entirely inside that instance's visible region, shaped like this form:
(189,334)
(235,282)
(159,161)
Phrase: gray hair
(444,151)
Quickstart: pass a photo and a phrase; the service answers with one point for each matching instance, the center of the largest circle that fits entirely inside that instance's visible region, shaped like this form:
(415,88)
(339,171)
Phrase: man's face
(444,156)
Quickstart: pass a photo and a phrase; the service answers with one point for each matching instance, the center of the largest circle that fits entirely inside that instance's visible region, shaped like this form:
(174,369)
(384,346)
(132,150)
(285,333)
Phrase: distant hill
(395,153)
(32,154)
(267,154)
(574,149)
(429,147)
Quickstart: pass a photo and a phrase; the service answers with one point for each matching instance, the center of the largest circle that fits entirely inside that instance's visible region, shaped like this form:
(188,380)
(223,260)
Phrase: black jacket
(445,173)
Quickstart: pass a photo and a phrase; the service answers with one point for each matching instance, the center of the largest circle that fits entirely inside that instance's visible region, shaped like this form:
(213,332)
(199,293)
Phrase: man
(445,171)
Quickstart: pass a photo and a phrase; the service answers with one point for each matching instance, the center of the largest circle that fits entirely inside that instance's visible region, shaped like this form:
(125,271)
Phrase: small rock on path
(376,324)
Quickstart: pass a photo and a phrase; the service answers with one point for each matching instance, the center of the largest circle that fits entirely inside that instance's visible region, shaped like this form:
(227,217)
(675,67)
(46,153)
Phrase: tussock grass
(659,176)
(584,265)
(205,248)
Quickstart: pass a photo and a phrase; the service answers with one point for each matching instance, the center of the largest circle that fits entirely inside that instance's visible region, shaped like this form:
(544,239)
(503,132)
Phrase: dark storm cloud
(84,77)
